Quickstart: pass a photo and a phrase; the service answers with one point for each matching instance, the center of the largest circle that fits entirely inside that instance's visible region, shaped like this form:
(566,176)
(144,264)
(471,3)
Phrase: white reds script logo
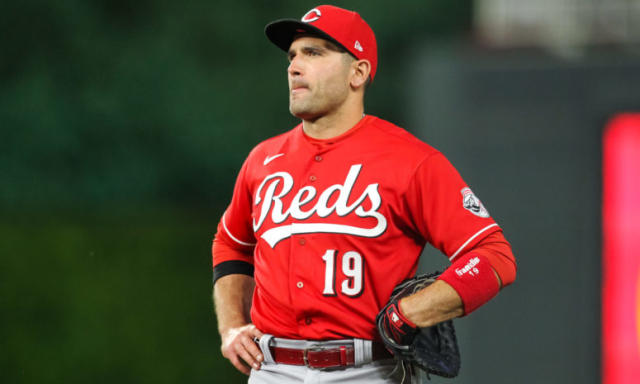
(472,204)
(311,16)
(270,202)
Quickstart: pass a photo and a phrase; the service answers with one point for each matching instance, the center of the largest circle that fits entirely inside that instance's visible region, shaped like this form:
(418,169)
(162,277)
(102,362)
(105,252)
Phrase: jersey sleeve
(236,221)
(444,210)
(233,244)
(500,255)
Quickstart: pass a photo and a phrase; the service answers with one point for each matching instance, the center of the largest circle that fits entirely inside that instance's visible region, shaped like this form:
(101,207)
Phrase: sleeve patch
(472,204)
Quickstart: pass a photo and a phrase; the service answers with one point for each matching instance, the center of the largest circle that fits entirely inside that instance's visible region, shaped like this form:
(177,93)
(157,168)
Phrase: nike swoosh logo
(269,159)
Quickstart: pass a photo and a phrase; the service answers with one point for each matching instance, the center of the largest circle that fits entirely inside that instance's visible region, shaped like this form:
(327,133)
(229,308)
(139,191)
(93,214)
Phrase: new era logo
(358,46)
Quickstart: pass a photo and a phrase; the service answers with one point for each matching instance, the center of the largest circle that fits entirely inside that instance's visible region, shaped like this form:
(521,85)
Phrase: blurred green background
(123,125)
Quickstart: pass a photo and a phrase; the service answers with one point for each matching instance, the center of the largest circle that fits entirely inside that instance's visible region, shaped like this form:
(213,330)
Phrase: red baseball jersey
(334,225)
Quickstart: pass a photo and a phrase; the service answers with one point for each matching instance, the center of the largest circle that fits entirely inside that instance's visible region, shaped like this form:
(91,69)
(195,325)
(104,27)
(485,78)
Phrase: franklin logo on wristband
(470,267)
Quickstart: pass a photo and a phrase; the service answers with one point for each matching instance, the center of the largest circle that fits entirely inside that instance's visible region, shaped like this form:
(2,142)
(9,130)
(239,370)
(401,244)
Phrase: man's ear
(360,73)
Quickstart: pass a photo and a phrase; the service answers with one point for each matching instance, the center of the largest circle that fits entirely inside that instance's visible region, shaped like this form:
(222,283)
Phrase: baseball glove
(432,349)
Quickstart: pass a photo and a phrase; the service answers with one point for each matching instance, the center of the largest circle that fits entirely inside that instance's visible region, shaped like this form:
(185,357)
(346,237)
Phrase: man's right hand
(239,347)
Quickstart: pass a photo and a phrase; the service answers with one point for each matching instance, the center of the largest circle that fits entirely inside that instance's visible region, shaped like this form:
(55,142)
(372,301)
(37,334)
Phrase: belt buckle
(312,348)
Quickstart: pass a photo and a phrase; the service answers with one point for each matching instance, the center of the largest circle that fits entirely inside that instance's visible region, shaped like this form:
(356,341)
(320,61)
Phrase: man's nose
(294,67)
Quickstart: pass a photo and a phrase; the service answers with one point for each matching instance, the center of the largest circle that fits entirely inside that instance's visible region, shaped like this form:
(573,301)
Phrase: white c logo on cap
(311,16)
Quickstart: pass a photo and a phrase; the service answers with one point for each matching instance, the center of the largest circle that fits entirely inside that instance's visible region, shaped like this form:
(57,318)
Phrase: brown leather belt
(340,356)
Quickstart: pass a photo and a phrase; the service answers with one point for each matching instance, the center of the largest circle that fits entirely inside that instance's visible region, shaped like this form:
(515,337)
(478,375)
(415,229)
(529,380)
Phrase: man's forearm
(232,297)
(479,275)
(436,303)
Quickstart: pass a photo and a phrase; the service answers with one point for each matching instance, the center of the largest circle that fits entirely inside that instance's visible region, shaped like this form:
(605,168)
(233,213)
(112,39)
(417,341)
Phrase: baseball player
(329,216)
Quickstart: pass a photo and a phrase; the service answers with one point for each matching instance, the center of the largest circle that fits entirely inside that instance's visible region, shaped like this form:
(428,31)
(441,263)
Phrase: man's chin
(302,113)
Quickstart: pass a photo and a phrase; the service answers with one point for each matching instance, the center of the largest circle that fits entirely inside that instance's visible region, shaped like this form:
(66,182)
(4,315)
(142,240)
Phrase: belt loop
(343,355)
(265,343)
(362,351)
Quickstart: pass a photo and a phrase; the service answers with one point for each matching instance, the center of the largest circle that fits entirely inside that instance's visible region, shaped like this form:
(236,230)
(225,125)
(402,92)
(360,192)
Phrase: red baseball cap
(340,26)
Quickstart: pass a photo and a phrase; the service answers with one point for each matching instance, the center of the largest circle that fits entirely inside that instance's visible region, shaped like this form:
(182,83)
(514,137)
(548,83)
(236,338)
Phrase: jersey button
(318,158)
(312,178)
(307,320)
(302,241)
(299,284)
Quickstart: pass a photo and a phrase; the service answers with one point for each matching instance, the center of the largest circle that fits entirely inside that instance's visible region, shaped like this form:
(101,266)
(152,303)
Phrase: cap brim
(281,33)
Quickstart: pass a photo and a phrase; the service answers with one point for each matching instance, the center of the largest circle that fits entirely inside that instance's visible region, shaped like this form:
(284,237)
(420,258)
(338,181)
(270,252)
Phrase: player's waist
(322,354)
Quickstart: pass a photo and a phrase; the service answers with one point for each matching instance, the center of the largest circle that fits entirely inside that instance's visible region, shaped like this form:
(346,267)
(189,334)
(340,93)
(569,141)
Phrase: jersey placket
(302,252)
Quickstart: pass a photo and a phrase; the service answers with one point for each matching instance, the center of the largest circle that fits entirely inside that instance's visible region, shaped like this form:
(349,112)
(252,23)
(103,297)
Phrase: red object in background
(621,251)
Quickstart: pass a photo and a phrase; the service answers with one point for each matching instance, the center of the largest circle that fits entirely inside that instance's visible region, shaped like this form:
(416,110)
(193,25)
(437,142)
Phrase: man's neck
(333,125)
